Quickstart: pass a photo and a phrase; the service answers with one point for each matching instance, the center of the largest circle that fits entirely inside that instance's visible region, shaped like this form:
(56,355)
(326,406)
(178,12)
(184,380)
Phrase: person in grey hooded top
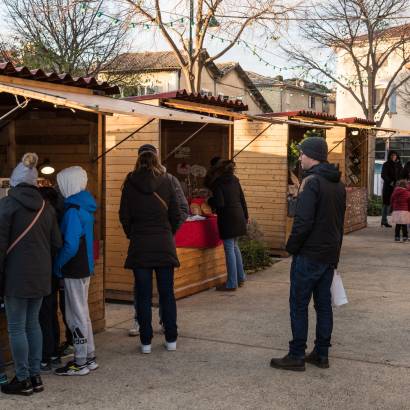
(75,264)
(26,269)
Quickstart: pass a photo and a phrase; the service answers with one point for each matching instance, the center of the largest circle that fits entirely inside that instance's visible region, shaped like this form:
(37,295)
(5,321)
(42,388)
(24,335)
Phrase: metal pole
(123,140)
(184,142)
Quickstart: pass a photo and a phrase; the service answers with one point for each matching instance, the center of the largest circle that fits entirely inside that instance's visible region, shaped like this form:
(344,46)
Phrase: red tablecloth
(198,234)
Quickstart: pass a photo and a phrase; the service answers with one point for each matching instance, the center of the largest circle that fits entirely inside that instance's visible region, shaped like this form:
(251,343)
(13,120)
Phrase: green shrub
(374,206)
(255,253)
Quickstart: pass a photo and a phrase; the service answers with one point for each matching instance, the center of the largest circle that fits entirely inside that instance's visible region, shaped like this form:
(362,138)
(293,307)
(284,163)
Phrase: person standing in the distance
(229,202)
(391,173)
(315,243)
(150,215)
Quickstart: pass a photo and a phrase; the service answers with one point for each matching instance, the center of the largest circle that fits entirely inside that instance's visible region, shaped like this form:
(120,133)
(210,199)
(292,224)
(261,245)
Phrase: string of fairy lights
(181,22)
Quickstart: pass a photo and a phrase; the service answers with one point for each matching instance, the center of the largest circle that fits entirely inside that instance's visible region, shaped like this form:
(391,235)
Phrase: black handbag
(292,202)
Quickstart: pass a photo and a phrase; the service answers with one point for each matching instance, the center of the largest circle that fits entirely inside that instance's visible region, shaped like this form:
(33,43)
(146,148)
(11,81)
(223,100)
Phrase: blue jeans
(1,361)
(309,278)
(234,264)
(25,335)
(165,285)
(385,212)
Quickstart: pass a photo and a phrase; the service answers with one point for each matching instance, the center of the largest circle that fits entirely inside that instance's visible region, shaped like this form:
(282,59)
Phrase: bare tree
(367,35)
(233,18)
(66,35)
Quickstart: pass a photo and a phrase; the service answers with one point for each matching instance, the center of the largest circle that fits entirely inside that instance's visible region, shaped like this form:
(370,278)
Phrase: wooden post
(11,147)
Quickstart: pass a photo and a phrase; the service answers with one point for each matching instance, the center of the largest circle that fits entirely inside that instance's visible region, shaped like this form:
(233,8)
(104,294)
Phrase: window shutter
(393,103)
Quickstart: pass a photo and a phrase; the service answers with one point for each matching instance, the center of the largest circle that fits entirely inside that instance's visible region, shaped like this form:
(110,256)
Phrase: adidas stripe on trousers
(78,318)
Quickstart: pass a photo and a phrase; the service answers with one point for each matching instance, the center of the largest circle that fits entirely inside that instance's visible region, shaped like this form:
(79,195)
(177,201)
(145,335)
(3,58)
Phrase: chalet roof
(10,70)
(357,120)
(303,113)
(234,105)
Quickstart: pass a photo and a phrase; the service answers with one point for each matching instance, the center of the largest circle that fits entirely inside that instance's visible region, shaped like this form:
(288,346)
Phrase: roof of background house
(226,68)
(167,61)
(10,70)
(235,105)
(278,81)
(390,32)
(156,60)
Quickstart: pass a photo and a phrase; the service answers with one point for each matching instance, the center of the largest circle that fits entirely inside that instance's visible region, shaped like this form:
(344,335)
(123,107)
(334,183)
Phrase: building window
(311,101)
(378,94)
(393,103)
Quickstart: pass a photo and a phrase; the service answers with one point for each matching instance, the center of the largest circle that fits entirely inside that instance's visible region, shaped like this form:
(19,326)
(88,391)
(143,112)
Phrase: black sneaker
(316,360)
(37,384)
(289,363)
(72,369)
(55,362)
(66,350)
(397,239)
(45,367)
(23,388)
(3,379)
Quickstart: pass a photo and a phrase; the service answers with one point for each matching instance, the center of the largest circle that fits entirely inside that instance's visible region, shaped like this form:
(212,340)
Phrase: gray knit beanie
(26,171)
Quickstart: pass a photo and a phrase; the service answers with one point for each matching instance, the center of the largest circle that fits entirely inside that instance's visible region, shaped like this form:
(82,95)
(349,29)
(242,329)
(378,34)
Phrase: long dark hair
(222,167)
(149,161)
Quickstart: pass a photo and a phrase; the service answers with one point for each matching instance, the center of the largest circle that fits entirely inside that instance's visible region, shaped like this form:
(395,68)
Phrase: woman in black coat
(391,173)
(149,214)
(27,271)
(229,202)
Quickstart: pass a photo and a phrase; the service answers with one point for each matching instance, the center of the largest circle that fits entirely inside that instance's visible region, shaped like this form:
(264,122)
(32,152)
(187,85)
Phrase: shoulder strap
(163,203)
(27,230)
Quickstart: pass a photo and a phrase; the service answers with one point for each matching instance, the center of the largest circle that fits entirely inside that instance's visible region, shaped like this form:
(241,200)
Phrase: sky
(151,40)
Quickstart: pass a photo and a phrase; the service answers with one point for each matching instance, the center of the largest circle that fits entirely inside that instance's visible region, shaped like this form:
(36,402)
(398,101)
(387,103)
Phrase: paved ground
(227,341)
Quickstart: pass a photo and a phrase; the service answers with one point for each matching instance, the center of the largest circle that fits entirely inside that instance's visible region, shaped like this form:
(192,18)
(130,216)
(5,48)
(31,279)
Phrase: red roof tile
(357,120)
(303,113)
(235,105)
(9,69)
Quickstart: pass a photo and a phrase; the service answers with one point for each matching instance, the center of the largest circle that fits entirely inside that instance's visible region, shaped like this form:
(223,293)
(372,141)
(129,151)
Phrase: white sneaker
(145,349)
(171,346)
(134,331)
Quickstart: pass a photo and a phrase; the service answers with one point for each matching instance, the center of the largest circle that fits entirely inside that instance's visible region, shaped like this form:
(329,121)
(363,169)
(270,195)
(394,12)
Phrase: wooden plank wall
(200,269)
(263,172)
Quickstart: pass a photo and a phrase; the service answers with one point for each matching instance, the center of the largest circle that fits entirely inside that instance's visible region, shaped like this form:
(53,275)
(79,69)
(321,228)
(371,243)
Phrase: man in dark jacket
(315,243)
(391,172)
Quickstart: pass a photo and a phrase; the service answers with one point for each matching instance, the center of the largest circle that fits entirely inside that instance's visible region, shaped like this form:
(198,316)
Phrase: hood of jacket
(328,171)
(72,180)
(144,181)
(83,199)
(27,195)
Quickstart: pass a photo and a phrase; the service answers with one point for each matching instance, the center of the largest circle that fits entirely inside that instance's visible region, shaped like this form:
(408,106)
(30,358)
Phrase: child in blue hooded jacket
(75,263)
